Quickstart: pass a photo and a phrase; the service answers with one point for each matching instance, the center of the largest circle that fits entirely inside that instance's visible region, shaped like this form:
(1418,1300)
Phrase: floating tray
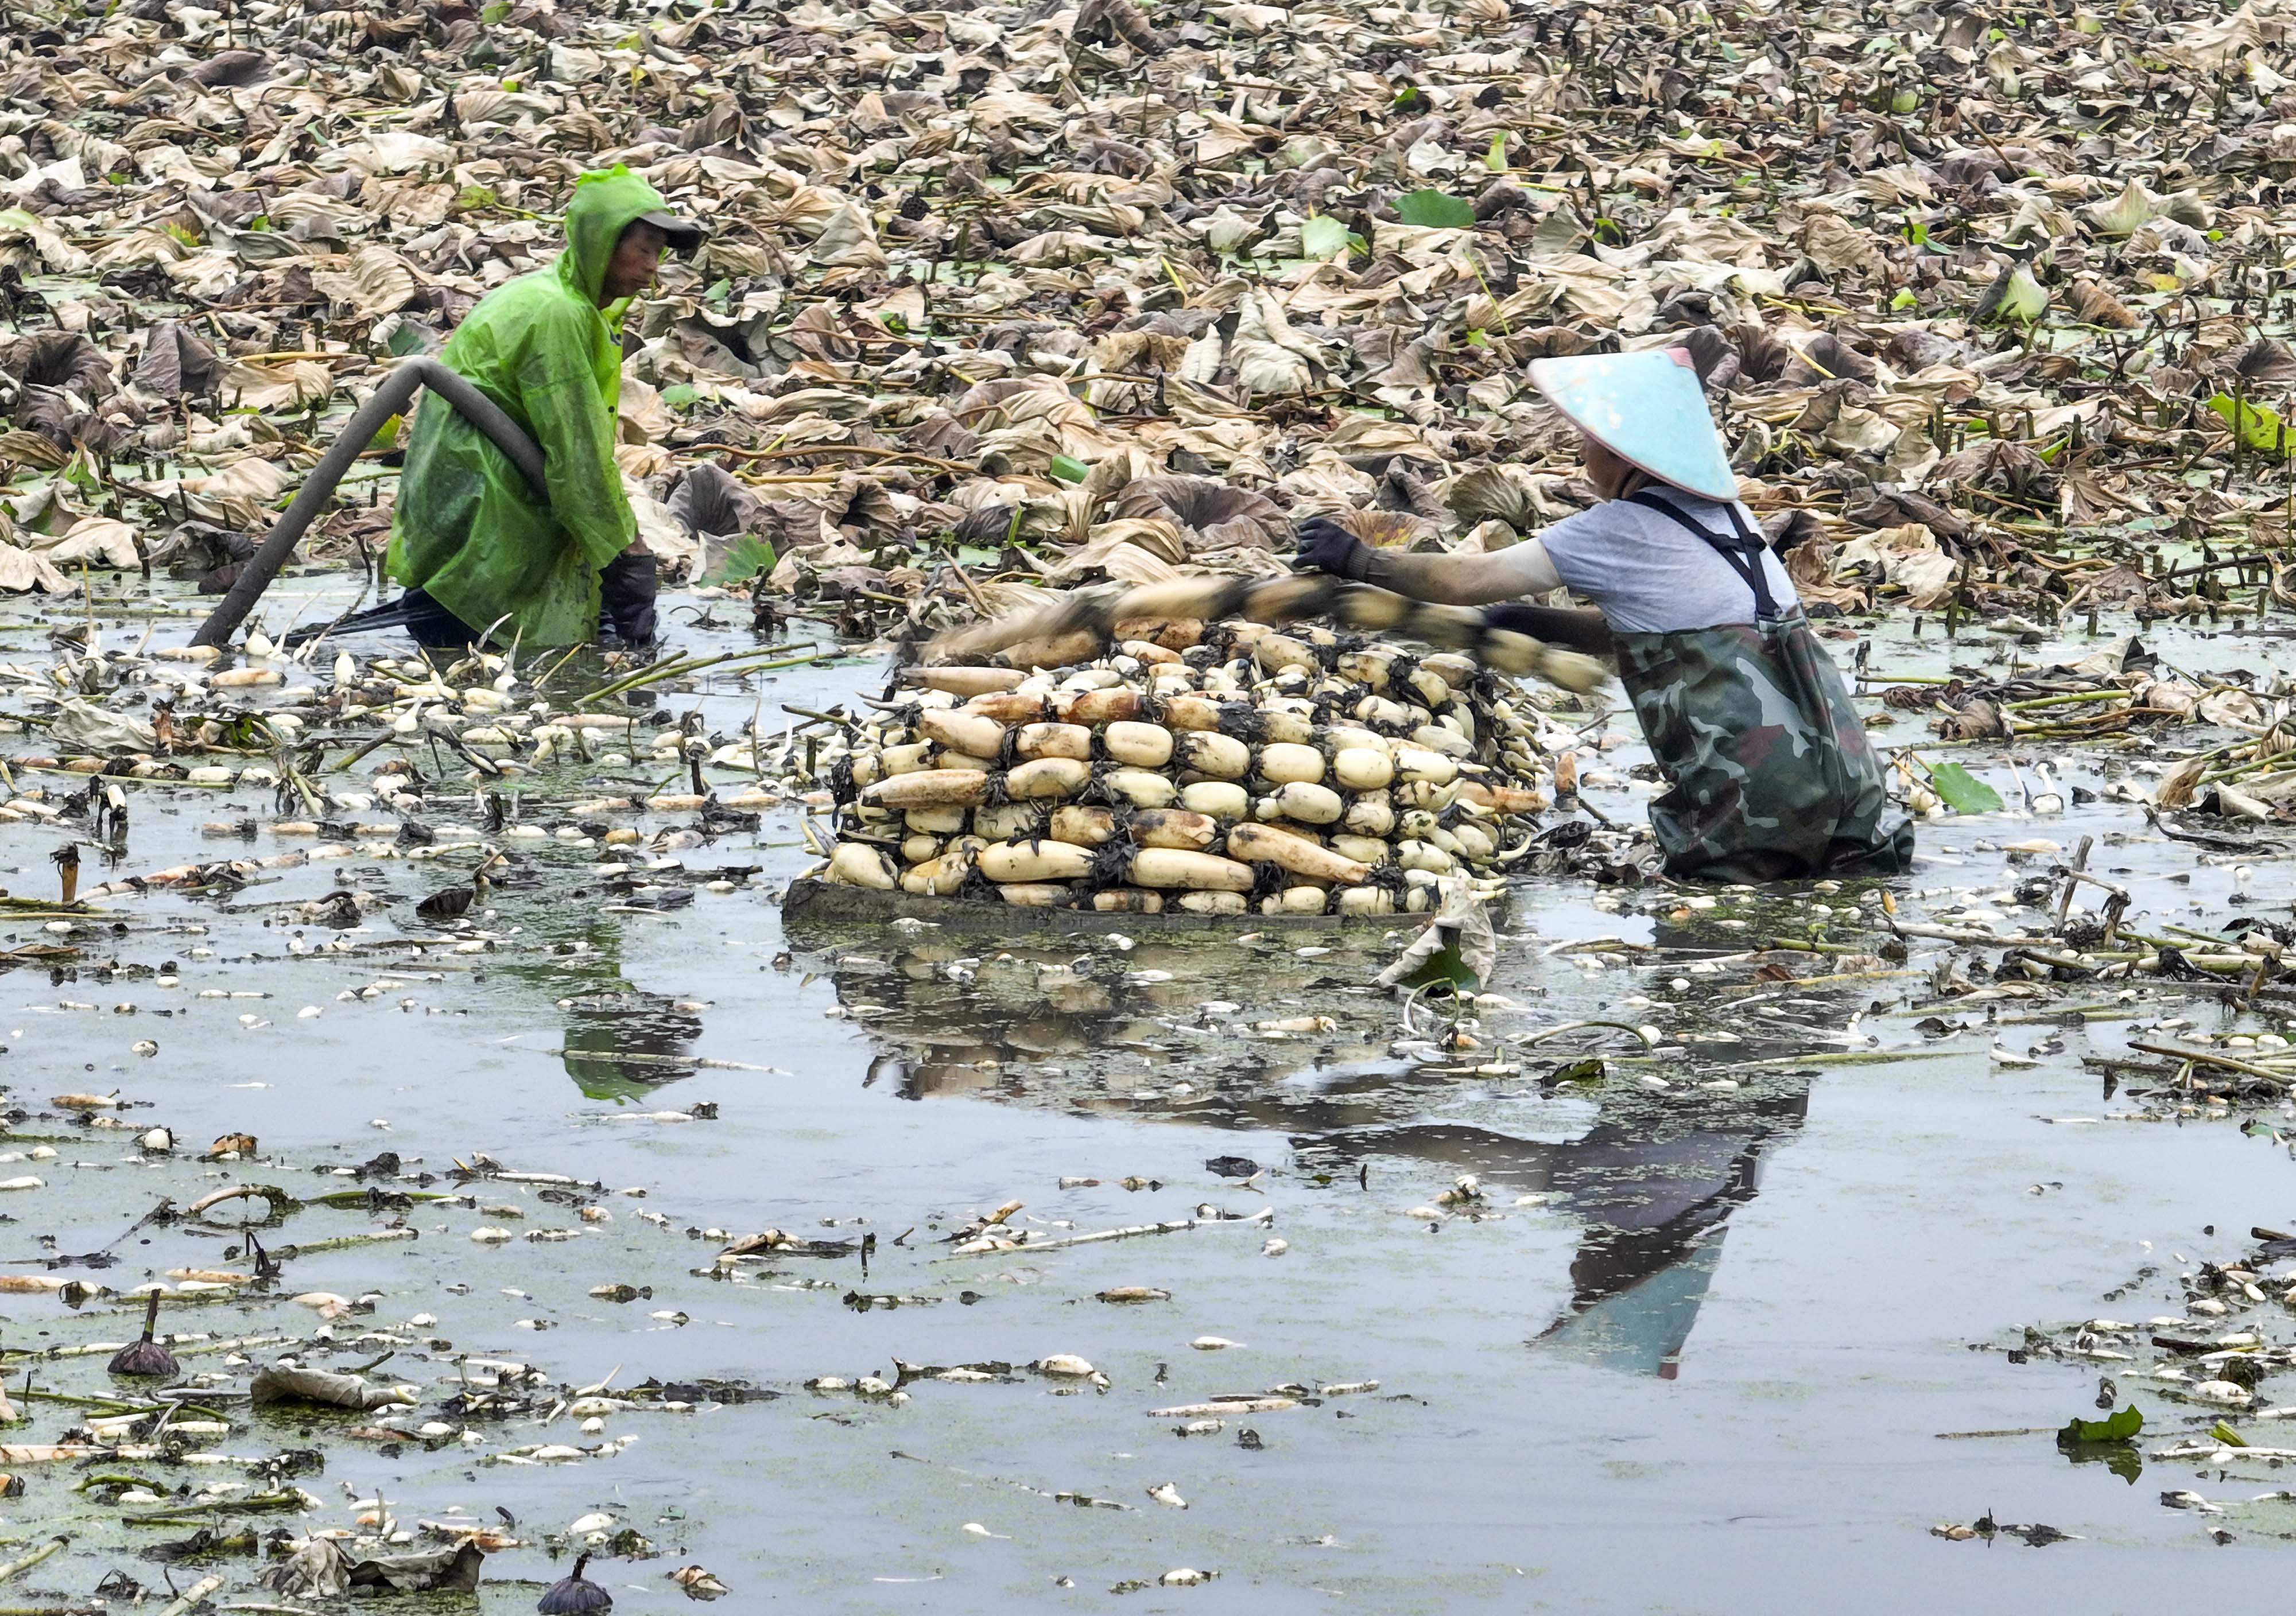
(812,902)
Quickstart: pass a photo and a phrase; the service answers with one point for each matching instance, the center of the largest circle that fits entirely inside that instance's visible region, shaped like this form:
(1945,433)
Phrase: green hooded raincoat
(469,530)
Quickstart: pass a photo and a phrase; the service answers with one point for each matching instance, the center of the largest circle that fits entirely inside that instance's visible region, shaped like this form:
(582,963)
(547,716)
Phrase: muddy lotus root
(1215,770)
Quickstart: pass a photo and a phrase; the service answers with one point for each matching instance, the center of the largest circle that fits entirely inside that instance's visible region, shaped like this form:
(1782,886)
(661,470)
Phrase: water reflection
(620,1041)
(1652,1183)
(1652,1190)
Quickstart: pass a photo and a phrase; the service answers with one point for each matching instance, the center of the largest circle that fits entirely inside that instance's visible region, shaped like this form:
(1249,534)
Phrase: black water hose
(390,398)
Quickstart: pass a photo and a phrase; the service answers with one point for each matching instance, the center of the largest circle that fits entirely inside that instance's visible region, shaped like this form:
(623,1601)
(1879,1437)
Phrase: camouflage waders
(1773,777)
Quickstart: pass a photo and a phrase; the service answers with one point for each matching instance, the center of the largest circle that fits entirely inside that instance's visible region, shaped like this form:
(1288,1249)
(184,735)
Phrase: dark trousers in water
(627,586)
(433,625)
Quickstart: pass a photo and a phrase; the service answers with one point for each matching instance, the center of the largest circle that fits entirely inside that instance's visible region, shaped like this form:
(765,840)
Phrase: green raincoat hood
(605,202)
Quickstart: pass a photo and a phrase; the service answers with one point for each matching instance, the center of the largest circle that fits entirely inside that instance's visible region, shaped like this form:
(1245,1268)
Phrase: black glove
(626,592)
(1325,546)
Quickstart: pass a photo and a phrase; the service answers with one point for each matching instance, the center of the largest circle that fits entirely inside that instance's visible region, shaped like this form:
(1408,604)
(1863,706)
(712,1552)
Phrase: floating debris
(146,1357)
(697,1583)
(573,1593)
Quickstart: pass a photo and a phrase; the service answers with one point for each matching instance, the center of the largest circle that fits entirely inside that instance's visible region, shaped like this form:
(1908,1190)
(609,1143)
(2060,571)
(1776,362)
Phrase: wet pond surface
(1692,1344)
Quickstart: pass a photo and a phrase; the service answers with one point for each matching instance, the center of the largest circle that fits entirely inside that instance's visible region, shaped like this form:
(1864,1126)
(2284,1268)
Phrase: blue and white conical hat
(1648,409)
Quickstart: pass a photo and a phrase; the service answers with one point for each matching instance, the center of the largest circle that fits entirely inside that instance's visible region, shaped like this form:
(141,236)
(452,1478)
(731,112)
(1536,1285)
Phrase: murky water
(1693,1353)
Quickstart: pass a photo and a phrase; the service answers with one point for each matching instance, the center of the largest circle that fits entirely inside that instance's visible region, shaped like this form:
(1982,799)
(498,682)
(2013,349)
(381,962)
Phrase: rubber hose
(391,397)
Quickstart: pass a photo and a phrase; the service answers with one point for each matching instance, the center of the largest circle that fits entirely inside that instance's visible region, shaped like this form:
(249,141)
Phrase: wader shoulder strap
(1744,552)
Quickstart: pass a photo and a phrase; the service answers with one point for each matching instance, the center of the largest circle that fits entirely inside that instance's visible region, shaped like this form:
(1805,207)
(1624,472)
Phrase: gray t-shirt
(1650,574)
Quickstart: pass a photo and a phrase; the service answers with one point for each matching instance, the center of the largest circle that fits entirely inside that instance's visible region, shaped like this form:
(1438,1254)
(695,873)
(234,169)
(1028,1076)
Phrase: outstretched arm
(1446,580)
(1453,580)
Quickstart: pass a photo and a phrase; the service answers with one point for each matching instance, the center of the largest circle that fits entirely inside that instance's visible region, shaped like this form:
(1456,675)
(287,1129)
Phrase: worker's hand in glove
(626,592)
(1325,546)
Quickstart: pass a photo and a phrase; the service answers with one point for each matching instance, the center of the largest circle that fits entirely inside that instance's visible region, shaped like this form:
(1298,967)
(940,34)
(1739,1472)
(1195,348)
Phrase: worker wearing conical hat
(1771,776)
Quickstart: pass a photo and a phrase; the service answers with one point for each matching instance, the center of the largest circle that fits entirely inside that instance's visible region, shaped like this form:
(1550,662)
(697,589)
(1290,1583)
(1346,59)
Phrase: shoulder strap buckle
(1743,550)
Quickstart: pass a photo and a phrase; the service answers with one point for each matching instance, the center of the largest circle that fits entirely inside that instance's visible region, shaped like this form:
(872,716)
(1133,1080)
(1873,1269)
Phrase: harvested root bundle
(1363,769)
(1251,772)
(1009,821)
(944,876)
(1104,706)
(1037,894)
(1085,826)
(946,821)
(1095,613)
(1127,900)
(1431,768)
(968,681)
(1174,828)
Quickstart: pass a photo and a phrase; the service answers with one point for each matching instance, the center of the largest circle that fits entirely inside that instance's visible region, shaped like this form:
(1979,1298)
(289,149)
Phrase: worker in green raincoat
(1770,772)
(484,555)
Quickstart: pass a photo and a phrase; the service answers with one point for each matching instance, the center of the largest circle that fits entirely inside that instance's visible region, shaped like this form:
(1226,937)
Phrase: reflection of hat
(1642,1328)
(684,234)
(1648,409)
